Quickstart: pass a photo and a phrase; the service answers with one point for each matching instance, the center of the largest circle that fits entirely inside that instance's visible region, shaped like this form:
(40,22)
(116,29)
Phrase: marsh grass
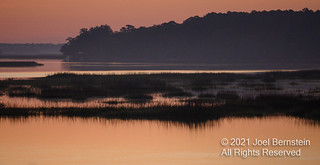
(22,91)
(140,87)
(264,105)
(206,95)
(141,98)
(177,92)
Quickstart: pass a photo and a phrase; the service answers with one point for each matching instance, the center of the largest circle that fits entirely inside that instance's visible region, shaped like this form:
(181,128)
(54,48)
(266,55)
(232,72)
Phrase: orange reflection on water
(77,141)
(35,74)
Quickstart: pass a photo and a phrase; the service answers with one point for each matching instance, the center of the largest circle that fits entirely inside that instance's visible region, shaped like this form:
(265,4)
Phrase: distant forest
(234,37)
(29,49)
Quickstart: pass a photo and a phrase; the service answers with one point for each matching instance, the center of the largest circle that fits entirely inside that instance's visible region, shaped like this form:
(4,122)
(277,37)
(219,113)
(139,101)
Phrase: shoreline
(19,64)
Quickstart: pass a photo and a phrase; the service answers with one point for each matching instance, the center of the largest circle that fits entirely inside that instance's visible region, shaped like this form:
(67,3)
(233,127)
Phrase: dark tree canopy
(260,36)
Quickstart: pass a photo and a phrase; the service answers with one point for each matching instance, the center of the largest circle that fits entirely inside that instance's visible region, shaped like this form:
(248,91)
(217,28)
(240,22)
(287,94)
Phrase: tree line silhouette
(274,36)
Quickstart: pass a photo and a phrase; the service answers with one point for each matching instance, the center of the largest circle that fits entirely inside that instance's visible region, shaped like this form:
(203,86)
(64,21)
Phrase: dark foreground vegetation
(201,94)
(269,37)
(19,64)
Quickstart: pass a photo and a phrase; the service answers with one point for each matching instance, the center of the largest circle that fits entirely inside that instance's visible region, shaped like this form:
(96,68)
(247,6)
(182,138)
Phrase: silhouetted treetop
(258,36)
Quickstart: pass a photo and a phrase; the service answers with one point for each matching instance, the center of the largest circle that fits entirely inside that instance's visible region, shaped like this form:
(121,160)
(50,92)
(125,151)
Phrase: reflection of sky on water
(53,65)
(65,141)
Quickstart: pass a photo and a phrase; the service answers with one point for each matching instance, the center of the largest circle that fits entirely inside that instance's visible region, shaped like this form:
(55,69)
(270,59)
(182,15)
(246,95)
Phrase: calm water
(53,66)
(65,141)
(94,141)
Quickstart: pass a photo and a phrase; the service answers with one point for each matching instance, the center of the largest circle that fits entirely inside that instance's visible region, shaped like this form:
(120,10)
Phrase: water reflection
(55,65)
(65,141)
(296,122)
(58,65)
(100,66)
(50,65)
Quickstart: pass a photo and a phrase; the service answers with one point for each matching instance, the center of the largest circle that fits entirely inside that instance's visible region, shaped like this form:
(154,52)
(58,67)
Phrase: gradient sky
(52,21)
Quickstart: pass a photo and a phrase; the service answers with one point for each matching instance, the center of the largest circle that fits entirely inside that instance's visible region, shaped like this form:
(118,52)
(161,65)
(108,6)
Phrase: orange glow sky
(52,21)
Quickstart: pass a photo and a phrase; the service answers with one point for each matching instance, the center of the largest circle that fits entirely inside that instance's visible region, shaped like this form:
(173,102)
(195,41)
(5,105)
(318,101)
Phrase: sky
(52,21)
